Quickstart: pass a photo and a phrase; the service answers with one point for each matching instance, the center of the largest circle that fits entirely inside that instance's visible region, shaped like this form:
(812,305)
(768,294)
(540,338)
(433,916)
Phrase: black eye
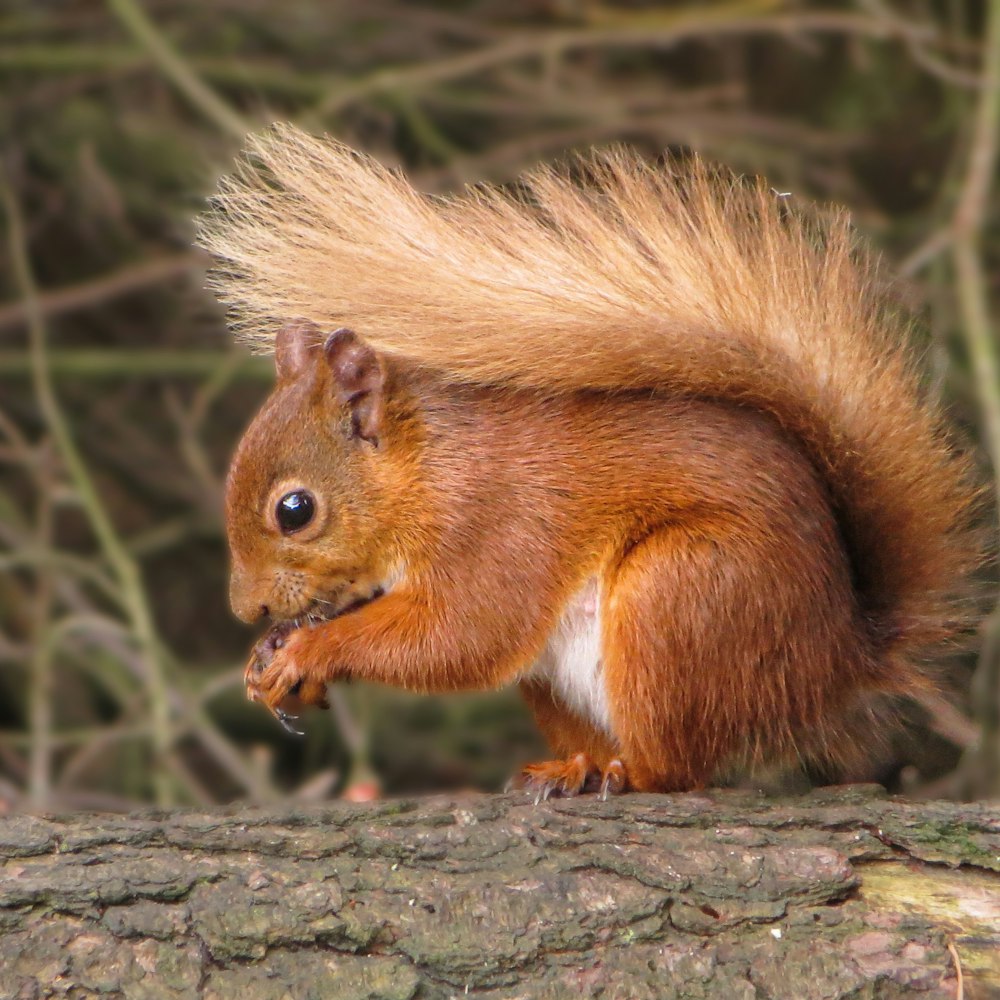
(295,510)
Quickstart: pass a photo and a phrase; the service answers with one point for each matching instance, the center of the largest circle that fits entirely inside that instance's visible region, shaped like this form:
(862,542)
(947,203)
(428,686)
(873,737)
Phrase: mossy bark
(843,893)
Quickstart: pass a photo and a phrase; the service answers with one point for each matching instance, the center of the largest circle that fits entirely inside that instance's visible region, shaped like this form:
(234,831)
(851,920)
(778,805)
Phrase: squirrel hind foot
(572,776)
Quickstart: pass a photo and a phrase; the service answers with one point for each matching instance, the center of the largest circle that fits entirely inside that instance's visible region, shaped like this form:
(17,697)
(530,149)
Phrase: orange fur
(566,732)
(666,383)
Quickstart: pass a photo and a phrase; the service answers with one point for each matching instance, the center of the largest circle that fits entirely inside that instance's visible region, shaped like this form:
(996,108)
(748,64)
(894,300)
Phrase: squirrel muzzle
(246,597)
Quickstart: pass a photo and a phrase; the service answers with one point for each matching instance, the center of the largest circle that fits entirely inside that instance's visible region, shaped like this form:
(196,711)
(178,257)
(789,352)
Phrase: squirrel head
(309,480)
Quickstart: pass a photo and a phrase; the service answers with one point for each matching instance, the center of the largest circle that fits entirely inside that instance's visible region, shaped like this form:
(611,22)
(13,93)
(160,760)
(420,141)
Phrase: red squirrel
(641,440)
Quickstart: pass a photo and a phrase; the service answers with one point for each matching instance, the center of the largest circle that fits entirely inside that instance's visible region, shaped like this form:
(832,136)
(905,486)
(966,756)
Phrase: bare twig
(917,49)
(936,244)
(40,676)
(669,28)
(67,563)
(947,721)
(193,451)
(125,568)
(96,363)
(980,336)
(74,737)
(177,70)
(100,291)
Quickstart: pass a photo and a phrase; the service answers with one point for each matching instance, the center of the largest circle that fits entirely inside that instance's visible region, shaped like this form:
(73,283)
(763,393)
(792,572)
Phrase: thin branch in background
(40,671)
(89,630)
(68,738)
(188,778)
(256,780)
(18,441)
(193,451)
(231,365)
(177,70)
(99,291)
(68,564)
(170,533)
(918,52)
(504,90)
(916,260)
(973,300)
(658,29)
(126,570)
(109,364)
(14,764)
(190,420)
(947,721)
(355,729)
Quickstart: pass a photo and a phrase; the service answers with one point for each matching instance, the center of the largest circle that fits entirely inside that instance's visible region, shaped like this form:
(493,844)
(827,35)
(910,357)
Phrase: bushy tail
(612,274)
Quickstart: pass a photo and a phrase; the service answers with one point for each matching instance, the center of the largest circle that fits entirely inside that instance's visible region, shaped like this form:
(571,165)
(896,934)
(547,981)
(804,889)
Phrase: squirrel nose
(249,612)
(244,600)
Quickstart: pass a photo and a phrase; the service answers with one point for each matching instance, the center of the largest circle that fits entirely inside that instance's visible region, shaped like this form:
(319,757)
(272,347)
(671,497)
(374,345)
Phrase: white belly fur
(571,660)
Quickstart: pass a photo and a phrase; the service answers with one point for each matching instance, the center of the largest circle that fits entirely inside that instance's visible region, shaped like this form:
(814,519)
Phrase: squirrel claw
(286,719)
(614,780)
(275,678)
(567,778)
(545,791)
(560,777)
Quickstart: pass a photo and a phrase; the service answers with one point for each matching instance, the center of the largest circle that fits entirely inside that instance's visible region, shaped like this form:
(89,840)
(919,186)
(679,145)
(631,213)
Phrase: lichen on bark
(842,893)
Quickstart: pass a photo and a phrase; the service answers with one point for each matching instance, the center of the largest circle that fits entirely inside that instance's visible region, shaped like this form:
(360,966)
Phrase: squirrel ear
(358,379)
(293,348)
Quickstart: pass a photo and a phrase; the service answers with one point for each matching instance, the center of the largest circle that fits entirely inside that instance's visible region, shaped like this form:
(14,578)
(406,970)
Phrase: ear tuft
(358,380)
(295,348)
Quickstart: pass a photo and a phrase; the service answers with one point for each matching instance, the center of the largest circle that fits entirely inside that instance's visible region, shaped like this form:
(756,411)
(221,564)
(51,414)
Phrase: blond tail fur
(688,280)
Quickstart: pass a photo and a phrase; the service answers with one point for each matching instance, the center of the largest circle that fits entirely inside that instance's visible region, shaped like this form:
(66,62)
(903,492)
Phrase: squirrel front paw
(276,675)
(264,649)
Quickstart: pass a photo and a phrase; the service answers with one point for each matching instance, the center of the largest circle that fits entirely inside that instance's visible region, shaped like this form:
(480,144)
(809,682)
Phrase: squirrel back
(612,274)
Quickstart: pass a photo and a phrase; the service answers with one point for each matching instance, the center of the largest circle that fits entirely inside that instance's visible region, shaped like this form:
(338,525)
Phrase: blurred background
(122,395)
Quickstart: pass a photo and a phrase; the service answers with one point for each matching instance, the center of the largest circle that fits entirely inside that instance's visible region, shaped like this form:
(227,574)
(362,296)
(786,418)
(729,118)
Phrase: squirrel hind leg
(586,757)
(567,777)
(572,776)
(714,653)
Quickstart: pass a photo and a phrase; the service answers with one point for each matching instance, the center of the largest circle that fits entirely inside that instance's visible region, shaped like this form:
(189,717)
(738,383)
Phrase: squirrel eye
(295,510)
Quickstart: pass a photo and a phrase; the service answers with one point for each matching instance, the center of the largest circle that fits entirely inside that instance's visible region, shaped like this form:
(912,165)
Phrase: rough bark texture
(842,893)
